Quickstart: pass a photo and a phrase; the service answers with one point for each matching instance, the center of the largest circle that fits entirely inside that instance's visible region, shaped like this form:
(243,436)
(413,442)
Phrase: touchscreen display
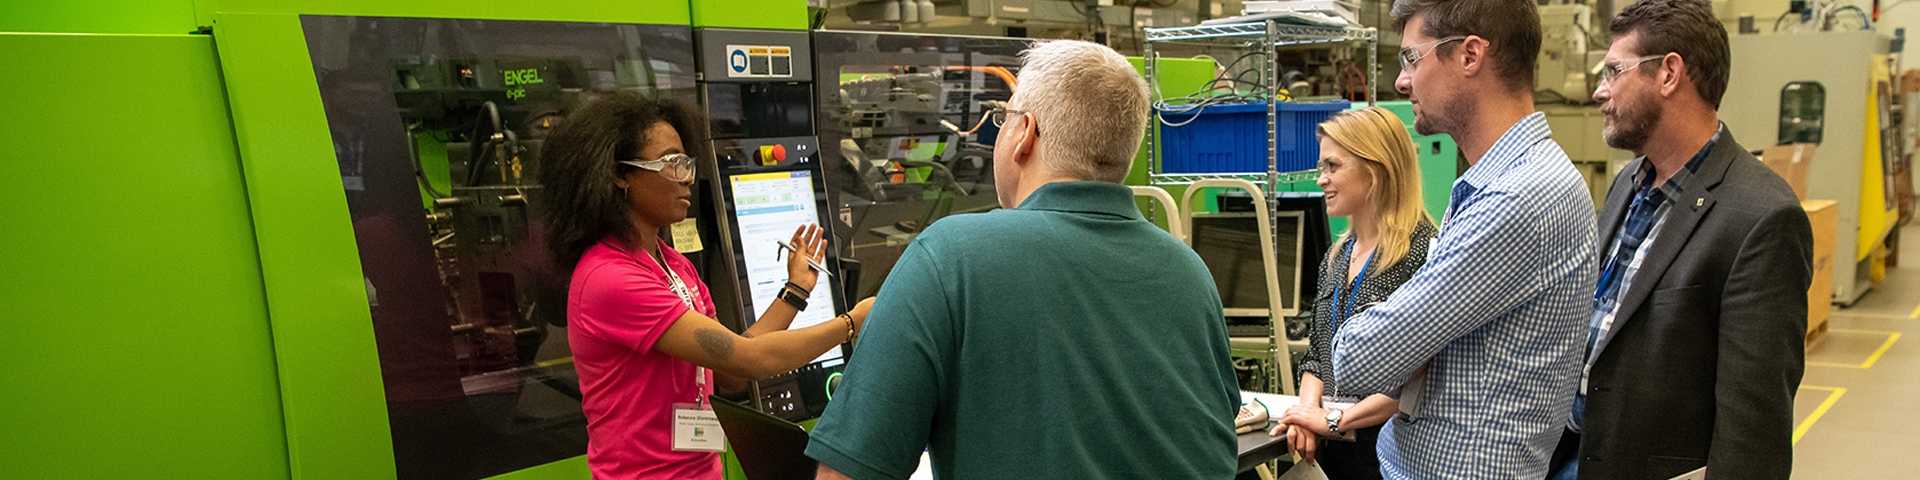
(769,207)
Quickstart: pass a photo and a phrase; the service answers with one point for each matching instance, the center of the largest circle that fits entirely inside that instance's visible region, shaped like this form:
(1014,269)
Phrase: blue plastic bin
(1232,138)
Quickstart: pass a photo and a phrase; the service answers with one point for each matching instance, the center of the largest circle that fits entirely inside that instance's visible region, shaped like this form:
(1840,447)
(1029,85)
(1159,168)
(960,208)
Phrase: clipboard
(1700,474)
(1304,471)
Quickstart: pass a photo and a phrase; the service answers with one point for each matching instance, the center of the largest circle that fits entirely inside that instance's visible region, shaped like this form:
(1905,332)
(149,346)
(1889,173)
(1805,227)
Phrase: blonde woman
(1371,176)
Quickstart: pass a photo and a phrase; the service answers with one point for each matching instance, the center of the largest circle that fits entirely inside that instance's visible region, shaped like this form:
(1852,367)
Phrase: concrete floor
(1856,411)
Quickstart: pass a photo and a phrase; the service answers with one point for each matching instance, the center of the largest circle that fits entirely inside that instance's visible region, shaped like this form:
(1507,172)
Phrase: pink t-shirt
(618,306)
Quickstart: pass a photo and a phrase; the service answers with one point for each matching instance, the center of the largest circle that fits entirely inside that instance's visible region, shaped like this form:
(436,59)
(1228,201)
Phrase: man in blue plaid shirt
(1485,342)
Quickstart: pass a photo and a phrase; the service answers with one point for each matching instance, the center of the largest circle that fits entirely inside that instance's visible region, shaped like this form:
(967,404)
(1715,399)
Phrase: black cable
(1213,89)
(1236,77)
(475,145)
(476,160)
(1208,95)
(1244,73)
(1236,61)
(1214,85)
(420,172)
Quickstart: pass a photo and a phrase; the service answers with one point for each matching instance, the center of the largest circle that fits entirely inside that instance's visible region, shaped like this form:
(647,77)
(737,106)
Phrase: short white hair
(1091,106)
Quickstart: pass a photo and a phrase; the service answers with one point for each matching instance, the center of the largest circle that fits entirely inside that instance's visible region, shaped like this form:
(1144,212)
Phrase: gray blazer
(1708,345)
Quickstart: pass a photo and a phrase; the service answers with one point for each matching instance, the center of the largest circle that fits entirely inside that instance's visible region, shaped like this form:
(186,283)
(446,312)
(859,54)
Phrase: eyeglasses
(999,115)
(1411,55)
(1610,72)
(676,167)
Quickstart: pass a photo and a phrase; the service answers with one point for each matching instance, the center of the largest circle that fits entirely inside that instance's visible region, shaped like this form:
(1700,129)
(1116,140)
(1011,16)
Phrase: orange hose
(1001,72)
(976,126)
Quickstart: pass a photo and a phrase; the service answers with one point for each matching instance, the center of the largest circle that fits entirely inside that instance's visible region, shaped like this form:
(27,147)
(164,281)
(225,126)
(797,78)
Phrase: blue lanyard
(1345,311)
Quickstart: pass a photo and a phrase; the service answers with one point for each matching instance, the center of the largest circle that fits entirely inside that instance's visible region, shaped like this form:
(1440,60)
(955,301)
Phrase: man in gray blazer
(1695,349)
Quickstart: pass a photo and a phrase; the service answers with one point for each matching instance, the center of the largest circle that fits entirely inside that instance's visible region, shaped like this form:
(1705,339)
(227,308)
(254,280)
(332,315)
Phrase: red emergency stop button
(779,153)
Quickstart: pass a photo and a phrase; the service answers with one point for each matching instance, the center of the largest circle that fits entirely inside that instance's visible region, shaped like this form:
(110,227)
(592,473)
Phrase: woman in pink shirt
(640,322)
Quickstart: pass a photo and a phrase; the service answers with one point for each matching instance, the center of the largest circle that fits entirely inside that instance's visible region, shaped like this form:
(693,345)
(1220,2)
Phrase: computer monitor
(767,207)
(763,205)
(1315,235)
(1228,242)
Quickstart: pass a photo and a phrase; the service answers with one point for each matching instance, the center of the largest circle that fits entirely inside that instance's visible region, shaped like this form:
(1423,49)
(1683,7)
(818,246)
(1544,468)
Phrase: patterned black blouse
(1375,288)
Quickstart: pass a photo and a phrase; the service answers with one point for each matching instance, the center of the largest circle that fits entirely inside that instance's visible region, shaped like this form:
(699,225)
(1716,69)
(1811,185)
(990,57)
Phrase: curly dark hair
(580,161)
(1686,27)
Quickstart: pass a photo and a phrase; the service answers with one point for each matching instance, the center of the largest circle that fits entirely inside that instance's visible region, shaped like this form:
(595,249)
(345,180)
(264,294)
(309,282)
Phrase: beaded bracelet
(850,332)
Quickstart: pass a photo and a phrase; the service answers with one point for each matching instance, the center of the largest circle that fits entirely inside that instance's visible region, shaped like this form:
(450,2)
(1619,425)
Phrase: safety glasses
(676,167)
(1611,72)
(1411,55)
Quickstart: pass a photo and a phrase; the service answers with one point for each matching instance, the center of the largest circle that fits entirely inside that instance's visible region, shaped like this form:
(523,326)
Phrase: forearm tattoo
(717,343)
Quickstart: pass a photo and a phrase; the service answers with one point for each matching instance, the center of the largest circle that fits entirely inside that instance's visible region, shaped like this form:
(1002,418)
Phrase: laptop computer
(768,447)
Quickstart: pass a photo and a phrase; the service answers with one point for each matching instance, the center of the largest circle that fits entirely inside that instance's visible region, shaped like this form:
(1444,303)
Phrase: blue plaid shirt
(1496,316)
(1646,213)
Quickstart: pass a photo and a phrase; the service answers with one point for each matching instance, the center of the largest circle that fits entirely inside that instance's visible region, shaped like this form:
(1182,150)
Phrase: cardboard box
(1791,162)
(1824,215)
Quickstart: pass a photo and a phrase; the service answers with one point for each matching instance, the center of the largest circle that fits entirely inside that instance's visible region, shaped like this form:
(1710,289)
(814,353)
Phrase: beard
(1629,128)
(1429,122)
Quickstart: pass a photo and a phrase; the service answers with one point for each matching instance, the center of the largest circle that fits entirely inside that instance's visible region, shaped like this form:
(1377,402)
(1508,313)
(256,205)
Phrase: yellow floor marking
(1891,337)
(553,362)
(1916,312)
(1871,315)
(1819,411)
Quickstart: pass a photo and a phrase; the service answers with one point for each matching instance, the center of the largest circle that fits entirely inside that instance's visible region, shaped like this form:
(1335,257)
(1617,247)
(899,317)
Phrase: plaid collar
(1678,182)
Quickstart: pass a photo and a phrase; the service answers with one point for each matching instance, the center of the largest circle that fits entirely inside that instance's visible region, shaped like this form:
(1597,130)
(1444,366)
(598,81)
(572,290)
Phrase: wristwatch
(798,302)
(1333,421)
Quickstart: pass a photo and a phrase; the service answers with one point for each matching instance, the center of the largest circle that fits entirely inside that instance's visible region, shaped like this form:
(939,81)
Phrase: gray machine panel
(1841,62)
(735,55)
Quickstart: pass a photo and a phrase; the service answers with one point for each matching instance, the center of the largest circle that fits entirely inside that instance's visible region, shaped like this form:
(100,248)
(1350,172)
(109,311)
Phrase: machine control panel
(771,186)
(782,400)
(771,154)
(784,395)
(765,152)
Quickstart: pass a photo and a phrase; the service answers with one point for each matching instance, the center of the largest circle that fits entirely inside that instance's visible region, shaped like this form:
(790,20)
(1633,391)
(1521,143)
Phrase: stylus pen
(810,263)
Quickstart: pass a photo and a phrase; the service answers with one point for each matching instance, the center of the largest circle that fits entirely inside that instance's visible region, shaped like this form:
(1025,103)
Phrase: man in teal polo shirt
(1064,338)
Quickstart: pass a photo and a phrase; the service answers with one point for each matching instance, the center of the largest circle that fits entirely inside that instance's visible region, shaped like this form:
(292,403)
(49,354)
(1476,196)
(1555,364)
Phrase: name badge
(696,429)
